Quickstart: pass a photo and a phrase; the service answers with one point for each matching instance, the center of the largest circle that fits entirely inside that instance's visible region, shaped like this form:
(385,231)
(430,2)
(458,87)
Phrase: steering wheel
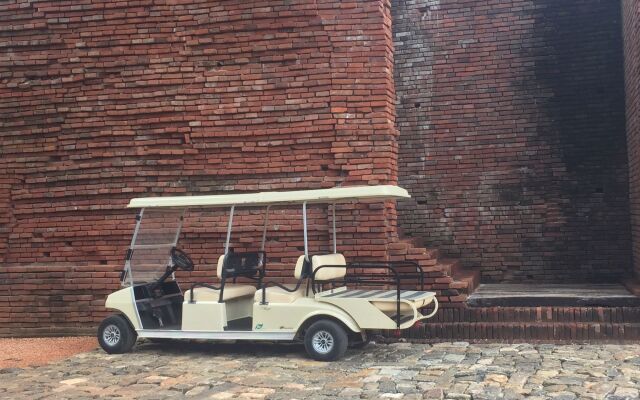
(181,260)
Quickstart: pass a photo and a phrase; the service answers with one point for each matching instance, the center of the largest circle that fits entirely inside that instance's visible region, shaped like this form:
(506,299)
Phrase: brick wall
(631,20)
(103,101)
(511,114)
(533,324)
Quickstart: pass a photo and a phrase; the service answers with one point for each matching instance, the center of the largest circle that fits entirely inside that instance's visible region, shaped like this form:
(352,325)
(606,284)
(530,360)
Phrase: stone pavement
(380,371)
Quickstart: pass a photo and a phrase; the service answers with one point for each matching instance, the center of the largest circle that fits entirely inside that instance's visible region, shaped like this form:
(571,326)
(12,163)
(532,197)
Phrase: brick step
(415,241)
(416,251)
(470,278)
(401,234)
(412,246)
(526,332)
(449,266)
(541,314)
(633,286)
(546,324)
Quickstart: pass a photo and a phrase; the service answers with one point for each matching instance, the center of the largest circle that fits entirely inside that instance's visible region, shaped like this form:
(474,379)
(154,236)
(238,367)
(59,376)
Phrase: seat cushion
(276,294)
(231,291)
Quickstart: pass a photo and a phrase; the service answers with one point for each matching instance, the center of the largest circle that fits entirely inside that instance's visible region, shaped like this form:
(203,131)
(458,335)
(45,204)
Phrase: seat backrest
(302,268)
(240,264)
(220,266)
(326,274)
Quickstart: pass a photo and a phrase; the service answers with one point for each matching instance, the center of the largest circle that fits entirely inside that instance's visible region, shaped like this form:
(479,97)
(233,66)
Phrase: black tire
(115,335)
(326,340)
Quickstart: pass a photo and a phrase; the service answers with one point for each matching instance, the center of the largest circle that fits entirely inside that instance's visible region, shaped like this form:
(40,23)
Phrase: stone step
(553,294)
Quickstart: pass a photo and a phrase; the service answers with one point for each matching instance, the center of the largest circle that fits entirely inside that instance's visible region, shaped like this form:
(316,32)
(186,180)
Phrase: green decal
(259,326)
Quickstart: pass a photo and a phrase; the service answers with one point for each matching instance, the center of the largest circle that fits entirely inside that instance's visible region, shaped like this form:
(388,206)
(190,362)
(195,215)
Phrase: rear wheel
(115,335)
(326,340)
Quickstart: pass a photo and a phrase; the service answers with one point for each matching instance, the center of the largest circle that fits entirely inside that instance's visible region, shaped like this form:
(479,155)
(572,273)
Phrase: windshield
(156,234)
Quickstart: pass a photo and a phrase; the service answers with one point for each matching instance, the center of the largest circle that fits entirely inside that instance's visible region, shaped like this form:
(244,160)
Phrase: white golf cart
(332,304)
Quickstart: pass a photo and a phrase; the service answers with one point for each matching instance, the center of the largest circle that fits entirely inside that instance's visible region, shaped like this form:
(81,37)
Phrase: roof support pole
(226,245)
(304,228)
(264,228)
(179,230)
(127,263)
(176,238)
(333,211)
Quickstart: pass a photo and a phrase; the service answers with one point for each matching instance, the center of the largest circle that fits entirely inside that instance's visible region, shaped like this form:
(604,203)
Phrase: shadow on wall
(586,130)
(512,136)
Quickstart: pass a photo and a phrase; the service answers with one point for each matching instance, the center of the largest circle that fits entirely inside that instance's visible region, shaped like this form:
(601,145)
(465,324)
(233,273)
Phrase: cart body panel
(377,309)
(290,317)
(123,301)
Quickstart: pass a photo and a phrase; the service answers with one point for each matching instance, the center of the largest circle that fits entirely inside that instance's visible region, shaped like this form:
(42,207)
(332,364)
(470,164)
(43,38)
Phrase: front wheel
(115,335)
(326,340)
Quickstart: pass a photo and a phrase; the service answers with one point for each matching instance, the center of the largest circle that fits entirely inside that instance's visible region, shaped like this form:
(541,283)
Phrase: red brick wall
(533,324)
(512,137)
(631,33)
(104,101)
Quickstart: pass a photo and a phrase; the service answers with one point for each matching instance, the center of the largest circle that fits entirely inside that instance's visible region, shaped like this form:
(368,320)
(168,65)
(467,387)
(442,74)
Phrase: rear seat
(231,290)
(330,273)
(275,294)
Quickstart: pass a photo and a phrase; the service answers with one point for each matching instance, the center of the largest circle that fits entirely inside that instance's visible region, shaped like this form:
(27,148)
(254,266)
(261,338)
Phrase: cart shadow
(182,347)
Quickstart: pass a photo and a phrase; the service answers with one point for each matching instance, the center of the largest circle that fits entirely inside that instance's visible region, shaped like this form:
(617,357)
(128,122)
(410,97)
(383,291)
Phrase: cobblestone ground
(395,371)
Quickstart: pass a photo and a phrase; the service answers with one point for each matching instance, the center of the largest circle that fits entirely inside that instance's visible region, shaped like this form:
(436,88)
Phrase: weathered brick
(106,101)
(512,137)
(631,33)
(267,95)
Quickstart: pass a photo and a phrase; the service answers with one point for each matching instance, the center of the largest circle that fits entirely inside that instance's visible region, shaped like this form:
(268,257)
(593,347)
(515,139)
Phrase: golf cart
(332,303)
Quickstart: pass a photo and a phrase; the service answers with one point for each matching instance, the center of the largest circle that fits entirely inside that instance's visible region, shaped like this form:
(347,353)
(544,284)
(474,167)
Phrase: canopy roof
(333,195)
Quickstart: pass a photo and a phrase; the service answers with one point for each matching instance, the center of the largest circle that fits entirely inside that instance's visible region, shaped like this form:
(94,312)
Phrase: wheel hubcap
(111,335)
(322,342)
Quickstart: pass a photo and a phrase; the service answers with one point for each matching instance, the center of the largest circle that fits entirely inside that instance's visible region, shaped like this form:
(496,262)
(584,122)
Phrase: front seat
(277,294)
(231,290)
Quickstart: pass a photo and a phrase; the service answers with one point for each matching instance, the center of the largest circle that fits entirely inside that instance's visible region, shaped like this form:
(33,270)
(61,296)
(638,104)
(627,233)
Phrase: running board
(226,335)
